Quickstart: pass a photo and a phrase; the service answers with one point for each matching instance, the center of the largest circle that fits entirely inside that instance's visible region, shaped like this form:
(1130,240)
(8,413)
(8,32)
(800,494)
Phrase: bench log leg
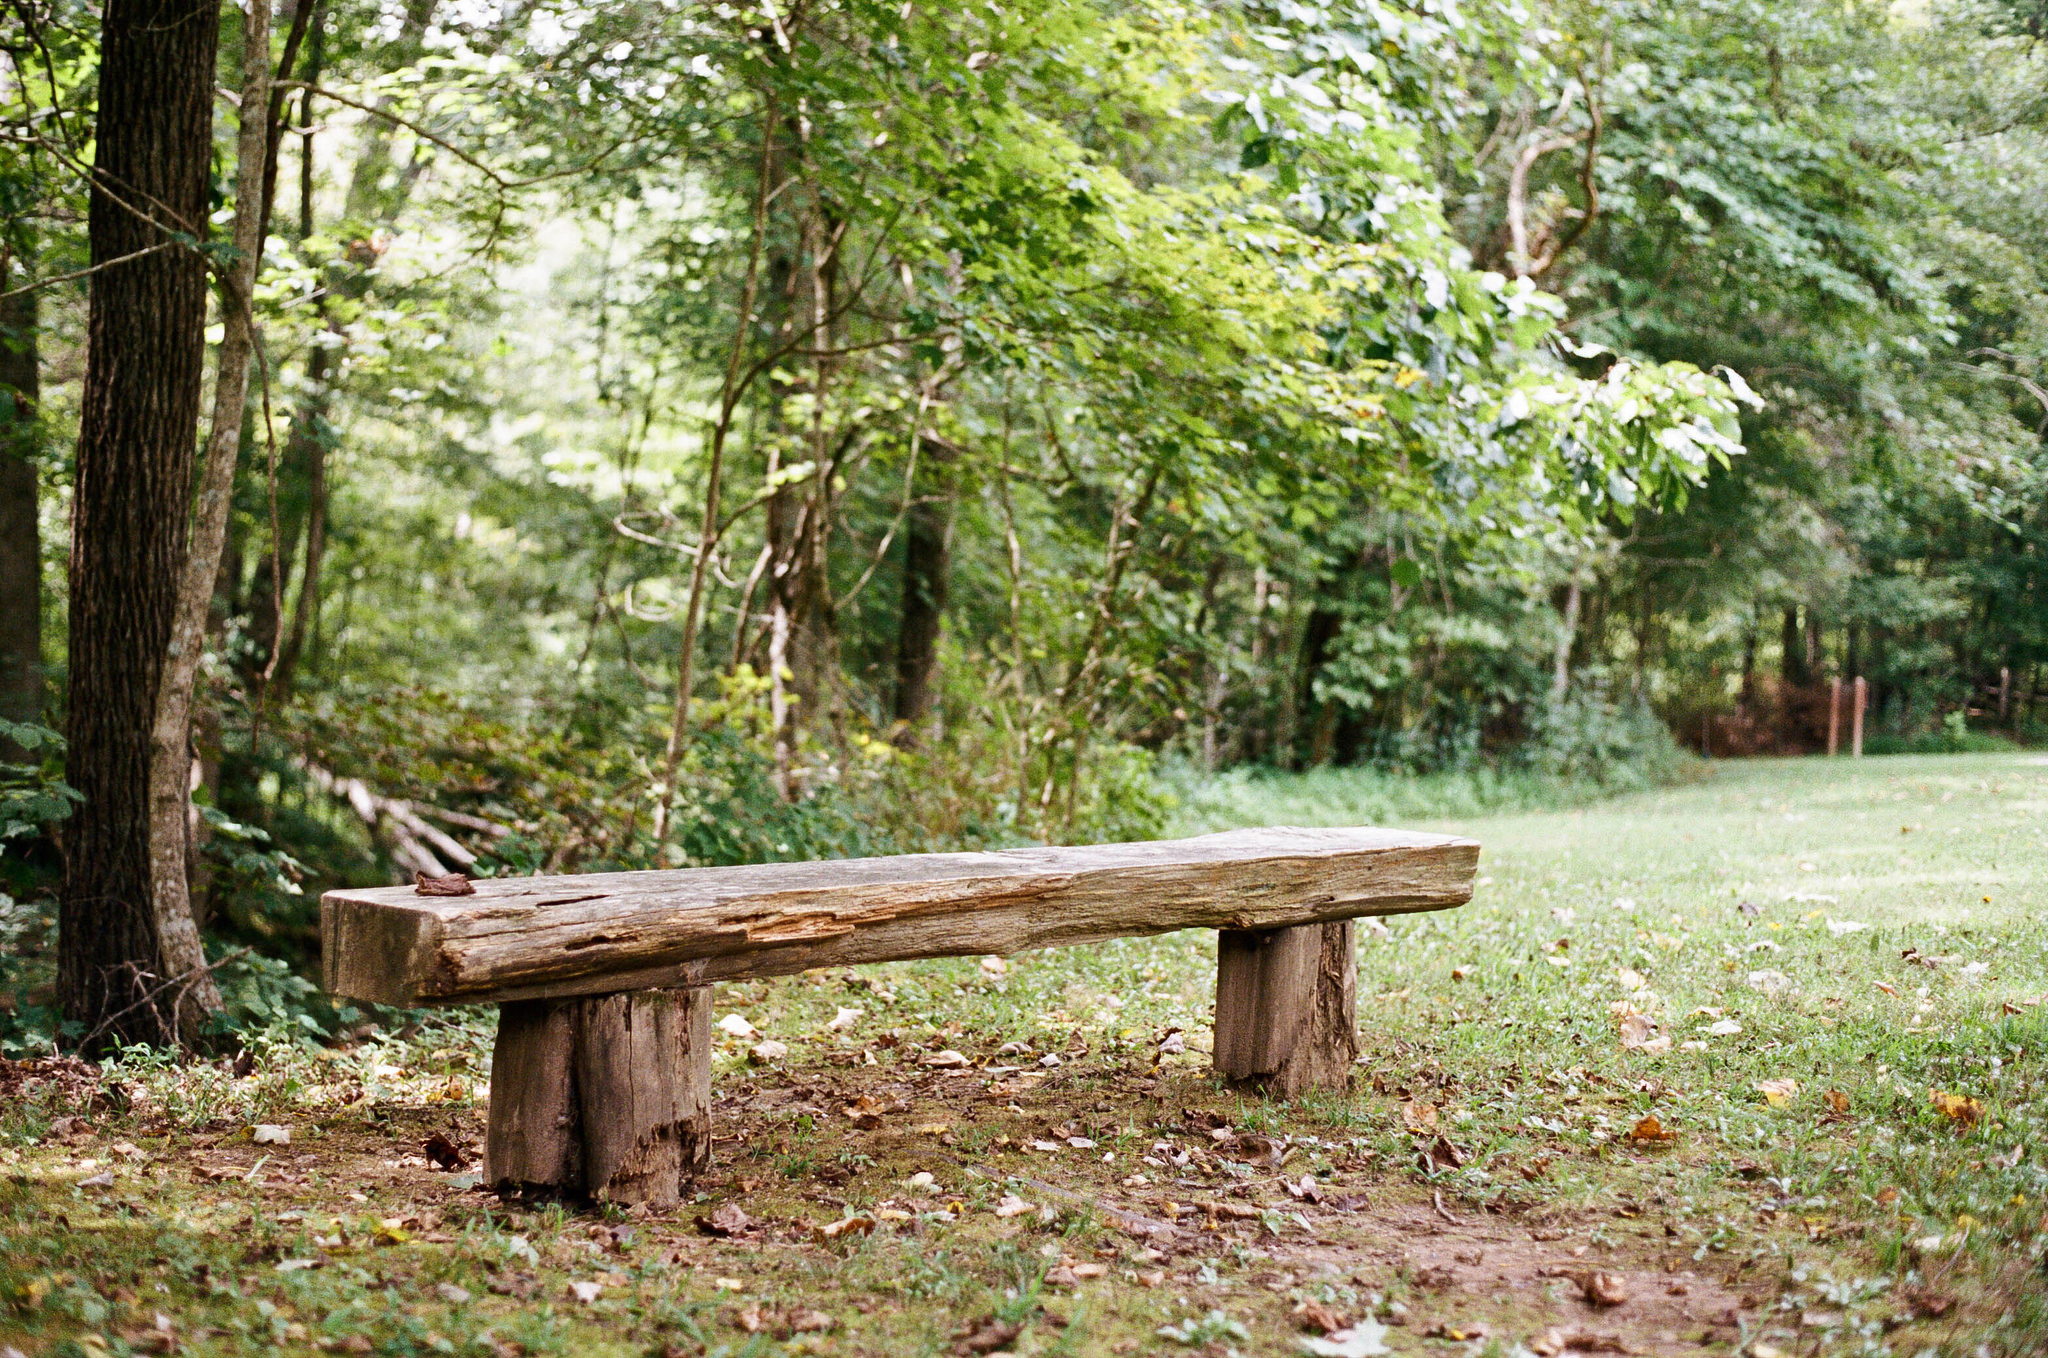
(603,1099)
(1287,1007)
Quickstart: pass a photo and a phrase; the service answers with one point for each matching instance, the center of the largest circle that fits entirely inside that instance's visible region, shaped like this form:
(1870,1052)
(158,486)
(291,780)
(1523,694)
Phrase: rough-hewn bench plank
(601,1077)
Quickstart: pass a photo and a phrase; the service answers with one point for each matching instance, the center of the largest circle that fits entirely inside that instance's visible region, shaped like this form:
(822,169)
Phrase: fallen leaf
(103,1179)
(453,1293)
(454,884)
(1418,1117)
(768,1051)
(1928,1304)
(733,1025)
(1366,1339)
(443,1153)
(1960,1109)
(843,1020)
(1650,1132)
(1578,1341)
(854,1225)
(1455,1333)
(1313,1313)
(1837,1101)
(947,1060)
(986,1335)
(725,1220)
(269,1134)
(994,967)
(1441,1154)
(1726,1027)
(1778,1093)
(1173,1044)
(1013,1206)
(866,1112)
(1601,1289)
(806,1320)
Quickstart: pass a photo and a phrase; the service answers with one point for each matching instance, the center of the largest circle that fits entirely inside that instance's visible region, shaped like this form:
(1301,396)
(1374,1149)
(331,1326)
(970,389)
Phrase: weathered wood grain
(602,1099)
(1287,1007)
(533,937)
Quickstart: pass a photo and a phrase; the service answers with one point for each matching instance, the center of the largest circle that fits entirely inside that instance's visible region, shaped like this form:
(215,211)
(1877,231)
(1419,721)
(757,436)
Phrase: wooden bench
(601,1078)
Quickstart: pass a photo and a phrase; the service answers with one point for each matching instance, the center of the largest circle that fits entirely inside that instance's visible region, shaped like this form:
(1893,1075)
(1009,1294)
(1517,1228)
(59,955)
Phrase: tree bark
(927,567)
(170,752)
(1567,633)
(605,1099)
(1793,664)
(139,414)
(1287,1007)
(21,553)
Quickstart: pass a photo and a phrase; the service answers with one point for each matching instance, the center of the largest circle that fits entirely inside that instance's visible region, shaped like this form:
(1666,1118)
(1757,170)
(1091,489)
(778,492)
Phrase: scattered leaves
(454,884)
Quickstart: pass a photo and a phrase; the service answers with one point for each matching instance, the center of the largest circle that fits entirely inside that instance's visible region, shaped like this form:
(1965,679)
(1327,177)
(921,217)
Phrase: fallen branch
(402,827)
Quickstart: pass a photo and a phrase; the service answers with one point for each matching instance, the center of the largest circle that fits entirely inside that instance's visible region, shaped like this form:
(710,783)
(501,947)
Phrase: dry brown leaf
(1601,1289)
(454,884)
(1315,1315)
(1838,1102)
(1928,1304)
(443,1153)
(986,1335)
(1441,1154)
(858,1225)
(1639,1033)
(807,1320)
(1418,1117)
(1960,1109)
(1650,1132)
(725,1220)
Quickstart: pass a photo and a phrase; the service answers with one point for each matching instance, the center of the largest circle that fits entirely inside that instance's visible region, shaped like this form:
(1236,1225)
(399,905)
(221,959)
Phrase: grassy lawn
(1823,1138)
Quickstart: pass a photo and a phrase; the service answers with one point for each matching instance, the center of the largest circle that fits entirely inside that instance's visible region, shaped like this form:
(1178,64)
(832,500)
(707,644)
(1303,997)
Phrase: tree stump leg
(602,1099)
(1287,1007)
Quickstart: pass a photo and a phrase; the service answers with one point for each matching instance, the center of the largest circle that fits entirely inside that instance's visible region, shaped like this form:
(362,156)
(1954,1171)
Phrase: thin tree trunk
(1567,633)
(119,977)
(714,473)
(21,552)
(1792,665)
(170,753)
(927,567)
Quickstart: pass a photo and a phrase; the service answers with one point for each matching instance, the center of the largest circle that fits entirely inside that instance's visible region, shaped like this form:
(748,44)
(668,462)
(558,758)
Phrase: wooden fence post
(1856,717)
(1834,715)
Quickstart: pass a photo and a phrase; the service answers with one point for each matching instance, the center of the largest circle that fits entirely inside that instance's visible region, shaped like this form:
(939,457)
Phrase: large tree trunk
(138,419)
(21,554)
(170,742)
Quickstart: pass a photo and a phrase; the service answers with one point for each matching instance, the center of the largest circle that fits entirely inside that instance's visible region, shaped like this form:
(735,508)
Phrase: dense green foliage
(727,433)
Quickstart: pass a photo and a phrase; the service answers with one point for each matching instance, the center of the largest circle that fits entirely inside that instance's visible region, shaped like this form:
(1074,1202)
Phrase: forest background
(716,434)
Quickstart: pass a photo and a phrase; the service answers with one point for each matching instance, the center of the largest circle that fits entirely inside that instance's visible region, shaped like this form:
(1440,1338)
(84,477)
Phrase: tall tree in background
(120,977)
(21,609)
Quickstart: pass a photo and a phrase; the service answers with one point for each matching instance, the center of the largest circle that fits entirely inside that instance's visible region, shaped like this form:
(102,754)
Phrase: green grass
(1852,1218)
